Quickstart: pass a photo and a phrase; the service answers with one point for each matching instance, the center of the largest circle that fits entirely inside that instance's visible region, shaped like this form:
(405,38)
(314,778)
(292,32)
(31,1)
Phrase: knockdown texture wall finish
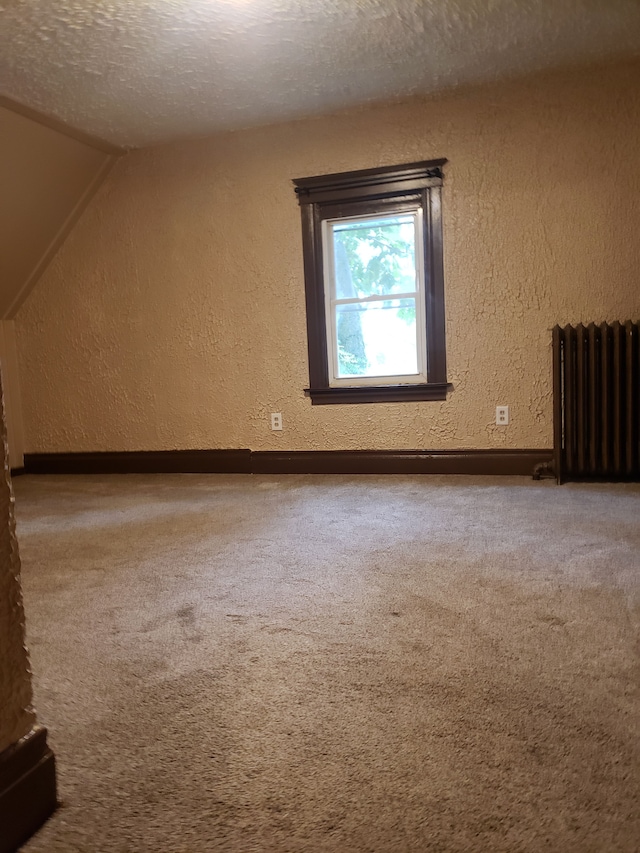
(174,317)
(45,175)
(16,713)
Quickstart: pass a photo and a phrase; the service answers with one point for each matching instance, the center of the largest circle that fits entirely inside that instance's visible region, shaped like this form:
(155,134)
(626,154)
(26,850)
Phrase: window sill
(378,393)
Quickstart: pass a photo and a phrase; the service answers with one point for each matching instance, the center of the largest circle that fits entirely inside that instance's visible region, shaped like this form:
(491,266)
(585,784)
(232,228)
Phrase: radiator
(596,397)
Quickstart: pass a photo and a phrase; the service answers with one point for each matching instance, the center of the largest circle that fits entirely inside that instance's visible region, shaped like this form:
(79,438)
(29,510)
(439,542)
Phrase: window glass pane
(374,256)
(377,338)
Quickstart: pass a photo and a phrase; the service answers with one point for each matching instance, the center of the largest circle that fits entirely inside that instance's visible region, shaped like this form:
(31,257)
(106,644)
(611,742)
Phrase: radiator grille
(596,379)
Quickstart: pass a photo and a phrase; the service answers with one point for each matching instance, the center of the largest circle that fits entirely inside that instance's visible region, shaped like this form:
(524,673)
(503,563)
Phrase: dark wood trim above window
(362,193)
(369,183)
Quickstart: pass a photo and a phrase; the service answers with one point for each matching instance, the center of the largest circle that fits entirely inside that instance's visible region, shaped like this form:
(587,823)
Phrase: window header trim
(370,183)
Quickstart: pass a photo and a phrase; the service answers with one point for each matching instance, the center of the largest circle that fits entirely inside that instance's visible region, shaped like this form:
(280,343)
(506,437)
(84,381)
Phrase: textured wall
(174,314)
(12,393)
(16,714)
(45,176)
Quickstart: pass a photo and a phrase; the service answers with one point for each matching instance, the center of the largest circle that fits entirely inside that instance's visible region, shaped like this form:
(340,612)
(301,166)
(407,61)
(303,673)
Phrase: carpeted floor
(236,663)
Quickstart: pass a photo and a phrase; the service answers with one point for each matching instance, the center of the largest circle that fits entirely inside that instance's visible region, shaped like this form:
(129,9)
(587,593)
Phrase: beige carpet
(236,663)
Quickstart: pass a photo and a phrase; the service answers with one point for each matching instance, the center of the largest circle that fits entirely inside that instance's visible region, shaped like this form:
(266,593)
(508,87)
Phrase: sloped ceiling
(46,178)
(140,72)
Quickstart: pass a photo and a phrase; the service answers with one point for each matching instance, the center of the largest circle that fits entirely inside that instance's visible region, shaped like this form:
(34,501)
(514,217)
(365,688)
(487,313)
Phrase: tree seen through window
(373,258)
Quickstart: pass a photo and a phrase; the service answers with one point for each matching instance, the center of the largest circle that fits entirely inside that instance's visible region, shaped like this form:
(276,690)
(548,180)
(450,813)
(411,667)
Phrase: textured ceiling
(139,72)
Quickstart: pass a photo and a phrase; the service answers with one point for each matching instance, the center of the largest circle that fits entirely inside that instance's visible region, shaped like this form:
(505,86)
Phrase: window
(372,243)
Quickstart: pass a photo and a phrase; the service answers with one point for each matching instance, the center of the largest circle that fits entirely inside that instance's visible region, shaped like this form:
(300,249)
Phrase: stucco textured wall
(16,714)
(44,175)
(173,317)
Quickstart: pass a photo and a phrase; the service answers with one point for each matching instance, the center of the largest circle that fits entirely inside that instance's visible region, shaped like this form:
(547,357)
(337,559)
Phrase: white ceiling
(140,72)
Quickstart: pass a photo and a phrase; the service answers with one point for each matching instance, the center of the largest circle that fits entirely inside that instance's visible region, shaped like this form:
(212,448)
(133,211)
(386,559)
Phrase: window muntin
(374,300)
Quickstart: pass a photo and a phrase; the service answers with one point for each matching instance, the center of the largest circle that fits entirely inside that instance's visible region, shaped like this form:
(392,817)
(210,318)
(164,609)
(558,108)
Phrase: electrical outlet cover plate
(276,420)
(502,415)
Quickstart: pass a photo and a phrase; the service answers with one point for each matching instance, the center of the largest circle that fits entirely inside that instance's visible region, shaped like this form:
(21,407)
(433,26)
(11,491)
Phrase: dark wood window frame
(366,192)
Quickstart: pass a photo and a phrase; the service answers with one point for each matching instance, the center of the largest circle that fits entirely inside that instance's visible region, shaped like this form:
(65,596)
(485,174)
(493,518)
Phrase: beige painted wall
(46,176)
(16,713)
(173,316)
(12,395)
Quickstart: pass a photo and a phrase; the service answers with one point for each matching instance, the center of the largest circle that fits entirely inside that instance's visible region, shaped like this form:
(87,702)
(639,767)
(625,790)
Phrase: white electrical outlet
(502,415)
(276,420)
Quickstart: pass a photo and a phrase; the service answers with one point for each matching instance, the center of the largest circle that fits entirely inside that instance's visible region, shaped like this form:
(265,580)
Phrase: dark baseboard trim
(17,472)
(399,462)
(141,462)
(27,788)
(514,462)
